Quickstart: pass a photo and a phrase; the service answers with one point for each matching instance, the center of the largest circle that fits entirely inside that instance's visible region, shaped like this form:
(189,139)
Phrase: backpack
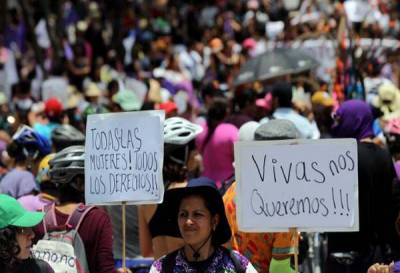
(61,246)
(168,262)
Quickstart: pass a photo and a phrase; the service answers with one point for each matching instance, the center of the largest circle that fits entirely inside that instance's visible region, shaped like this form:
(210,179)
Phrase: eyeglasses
(25,230)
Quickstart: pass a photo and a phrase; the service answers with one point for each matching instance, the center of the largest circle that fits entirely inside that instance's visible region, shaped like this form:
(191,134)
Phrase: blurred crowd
(63,60)
(100,56)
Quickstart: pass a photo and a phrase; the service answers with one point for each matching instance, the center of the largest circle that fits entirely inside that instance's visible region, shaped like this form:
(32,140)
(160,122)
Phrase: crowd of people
(61,61)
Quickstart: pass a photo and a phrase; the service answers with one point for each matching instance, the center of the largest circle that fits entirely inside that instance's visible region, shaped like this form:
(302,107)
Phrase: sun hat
(13,214)
(388,92)
(92,90)
(206,188)
(74,97)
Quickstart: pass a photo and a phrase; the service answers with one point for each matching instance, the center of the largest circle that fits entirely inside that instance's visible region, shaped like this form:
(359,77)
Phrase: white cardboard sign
(124,158)
(311,185)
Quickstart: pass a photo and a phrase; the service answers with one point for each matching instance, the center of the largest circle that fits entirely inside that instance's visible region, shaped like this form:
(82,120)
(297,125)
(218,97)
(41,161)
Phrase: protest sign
(124,158)
(311,185)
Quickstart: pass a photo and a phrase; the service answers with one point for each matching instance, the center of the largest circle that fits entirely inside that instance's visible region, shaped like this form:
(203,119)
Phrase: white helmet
(180,131)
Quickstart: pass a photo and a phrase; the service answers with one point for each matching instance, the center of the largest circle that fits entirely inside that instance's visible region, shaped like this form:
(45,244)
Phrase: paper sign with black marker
(311,185)
(124,158)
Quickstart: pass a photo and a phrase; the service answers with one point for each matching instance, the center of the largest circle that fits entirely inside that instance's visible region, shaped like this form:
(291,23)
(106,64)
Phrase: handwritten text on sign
(311,185)
(124,157)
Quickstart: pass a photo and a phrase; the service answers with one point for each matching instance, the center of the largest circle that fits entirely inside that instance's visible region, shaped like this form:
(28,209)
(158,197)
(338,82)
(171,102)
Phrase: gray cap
(277,129)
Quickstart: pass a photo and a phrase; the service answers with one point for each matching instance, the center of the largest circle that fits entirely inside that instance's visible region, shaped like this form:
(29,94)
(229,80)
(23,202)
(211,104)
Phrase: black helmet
(65,136)
(67,164)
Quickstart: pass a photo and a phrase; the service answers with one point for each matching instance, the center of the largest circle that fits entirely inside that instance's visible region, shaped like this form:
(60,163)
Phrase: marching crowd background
(61,61)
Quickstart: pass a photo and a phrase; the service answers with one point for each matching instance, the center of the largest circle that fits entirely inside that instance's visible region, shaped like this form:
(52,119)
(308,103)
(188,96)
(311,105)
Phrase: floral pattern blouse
(221,262)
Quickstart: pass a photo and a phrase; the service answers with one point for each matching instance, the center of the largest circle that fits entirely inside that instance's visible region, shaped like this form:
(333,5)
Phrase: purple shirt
(17,183)
(33,202)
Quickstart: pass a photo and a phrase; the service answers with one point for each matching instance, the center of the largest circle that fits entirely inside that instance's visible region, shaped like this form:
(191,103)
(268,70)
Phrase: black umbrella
(275,63)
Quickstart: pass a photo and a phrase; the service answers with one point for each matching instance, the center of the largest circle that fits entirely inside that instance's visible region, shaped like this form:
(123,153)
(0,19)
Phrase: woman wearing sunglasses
(16,237)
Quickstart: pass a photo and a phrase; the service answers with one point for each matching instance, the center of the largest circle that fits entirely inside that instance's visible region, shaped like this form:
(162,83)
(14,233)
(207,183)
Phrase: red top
(96,234)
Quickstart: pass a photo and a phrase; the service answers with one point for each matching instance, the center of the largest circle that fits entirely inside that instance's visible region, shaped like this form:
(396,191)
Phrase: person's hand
(380,268)
(123,270)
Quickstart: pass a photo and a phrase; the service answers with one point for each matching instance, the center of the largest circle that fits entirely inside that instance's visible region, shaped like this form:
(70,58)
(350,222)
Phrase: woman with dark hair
(178,136)
(16,236)
(216,142)
(353,119)
(196,214)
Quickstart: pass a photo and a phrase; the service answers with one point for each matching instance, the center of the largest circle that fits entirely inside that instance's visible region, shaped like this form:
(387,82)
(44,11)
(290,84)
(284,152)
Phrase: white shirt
(306,128)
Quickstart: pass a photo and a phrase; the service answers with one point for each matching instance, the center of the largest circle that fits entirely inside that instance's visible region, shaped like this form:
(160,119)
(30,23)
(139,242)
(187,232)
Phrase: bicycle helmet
(179,131)
(33,144)
(67,135)
(43,169)
(67,164)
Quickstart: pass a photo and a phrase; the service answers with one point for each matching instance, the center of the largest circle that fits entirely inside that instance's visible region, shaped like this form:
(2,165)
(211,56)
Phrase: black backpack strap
(76,218)
(168,263)
(225,185)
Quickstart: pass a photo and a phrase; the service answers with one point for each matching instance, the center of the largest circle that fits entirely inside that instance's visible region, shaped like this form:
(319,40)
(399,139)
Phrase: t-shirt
(97,236)
(33,202)
(33,266)
(257,247)
(17,183)
(218,152)
(306,129)
(375,175)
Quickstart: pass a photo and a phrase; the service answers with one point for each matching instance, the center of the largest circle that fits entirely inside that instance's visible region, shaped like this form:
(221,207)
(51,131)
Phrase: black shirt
(375,175)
